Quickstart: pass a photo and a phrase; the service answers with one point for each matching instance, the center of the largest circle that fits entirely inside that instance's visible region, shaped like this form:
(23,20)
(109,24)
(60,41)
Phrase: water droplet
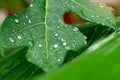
(85,37)
(111,21)
(19,37)
(16,20)
(74,46)
(103,24)
(11,39)
(85,42)
(51,47)
(56,34)
(30,43)
(13,30)
(29,21)
(59,38)
(58,27)
(58,60)
(67,47)
(31,5)
(92,16)
(64,44)
(101,5)
(39,45)
(24,23)
(26,16)
(75,29)
(97,16)
(55,45)
(63,40)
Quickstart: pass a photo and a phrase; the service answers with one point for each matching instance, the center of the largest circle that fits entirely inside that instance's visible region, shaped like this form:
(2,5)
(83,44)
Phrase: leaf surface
(100,64)
(41,28)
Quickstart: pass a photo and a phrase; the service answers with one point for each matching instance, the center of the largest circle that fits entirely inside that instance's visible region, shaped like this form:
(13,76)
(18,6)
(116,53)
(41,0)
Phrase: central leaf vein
(46,34)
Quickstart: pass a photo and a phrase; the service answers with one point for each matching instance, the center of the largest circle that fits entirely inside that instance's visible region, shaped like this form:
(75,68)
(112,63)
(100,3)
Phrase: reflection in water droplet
(101,5)
(103,24)
(85,37)
(55,45)
(58,60)
(11,40)
(19,37)
(92,16)
(13,30)
(31,44)
(97,16)
(75,29)
(24,23)
(31,5)
(29,21)
(39,45)
(64,44)
(111,21)
(56,34)
(67,48)
(59,38)
(85,42)
(16,20)
(62,40)
(74,46)
(58,27)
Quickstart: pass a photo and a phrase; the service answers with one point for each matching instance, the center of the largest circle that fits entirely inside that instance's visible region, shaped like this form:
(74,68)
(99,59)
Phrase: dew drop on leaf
(58,27)
(26,16)
(67,48)
(103,24)
(101,5)
(16,20)
(58,60)
(97,16)
(55,45)
(31,5)
(64,44)
(75,29)
(11,40)
(56,34)
(39,45)
(62,40)
(19,37)
(92,16)
(85,42)
(13,30)
(74,46)
(59,38)
(30,43)
(85,37)
(24,23)
(29,21)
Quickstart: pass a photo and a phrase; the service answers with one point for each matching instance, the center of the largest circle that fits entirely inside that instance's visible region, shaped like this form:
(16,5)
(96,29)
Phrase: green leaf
(100,64)
(41,28)
(15,66)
